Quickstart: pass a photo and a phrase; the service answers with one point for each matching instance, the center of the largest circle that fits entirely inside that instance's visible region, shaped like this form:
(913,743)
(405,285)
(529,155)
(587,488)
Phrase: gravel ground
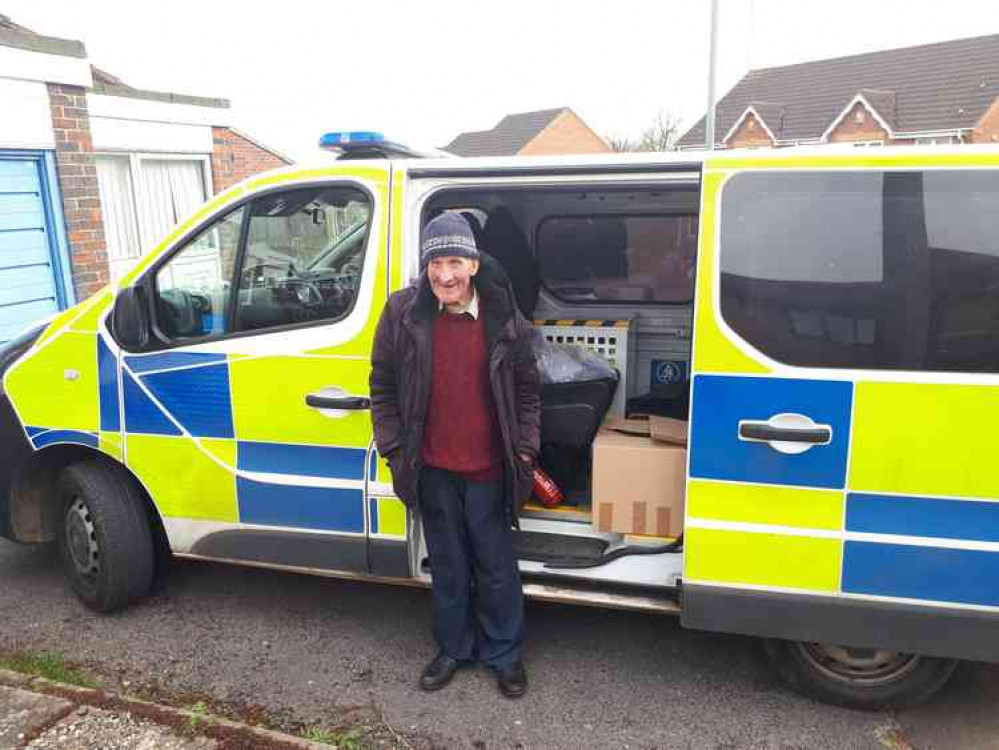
(23,713)
(309,652)
(94,729)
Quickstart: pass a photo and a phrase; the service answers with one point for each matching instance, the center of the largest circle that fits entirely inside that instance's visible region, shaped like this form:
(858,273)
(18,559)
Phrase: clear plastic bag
(568,363)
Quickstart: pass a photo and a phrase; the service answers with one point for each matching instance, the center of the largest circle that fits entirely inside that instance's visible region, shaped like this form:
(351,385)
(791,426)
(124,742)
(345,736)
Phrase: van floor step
(541,547)
(579,514)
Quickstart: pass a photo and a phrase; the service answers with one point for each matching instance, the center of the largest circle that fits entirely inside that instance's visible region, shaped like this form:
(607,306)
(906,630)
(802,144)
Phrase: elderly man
(455,402)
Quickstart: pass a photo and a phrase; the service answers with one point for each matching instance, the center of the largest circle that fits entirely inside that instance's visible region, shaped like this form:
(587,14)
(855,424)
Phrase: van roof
(691,159)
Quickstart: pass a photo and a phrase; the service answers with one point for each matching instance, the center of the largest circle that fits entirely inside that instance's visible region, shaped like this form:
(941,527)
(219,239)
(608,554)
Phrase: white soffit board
(110,134)
(41,66)
(148,110)
(27,119)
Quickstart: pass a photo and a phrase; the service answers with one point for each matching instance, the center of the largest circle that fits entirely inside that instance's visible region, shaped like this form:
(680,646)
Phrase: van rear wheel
(864,678)
(104,536)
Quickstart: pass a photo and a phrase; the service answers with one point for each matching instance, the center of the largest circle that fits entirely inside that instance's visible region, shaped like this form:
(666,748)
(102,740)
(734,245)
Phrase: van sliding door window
(881,270)
(622,258)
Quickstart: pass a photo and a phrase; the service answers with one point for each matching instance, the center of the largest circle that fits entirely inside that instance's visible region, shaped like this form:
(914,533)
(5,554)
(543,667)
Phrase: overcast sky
(421,72)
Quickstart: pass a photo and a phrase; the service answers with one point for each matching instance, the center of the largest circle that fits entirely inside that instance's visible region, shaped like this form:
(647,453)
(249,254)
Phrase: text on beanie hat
(447,235)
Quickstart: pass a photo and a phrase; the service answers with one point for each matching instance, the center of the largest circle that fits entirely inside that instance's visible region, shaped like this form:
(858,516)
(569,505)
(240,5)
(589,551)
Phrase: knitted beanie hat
(447,234)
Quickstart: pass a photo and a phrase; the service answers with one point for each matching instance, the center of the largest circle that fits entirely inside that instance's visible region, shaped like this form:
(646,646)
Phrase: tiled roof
(110,85)
(771,113)
(941,86)
(883,103)
(508,137)
(15,35)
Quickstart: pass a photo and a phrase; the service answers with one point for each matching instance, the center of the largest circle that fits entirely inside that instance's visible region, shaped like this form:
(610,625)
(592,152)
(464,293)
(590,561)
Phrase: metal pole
(709,131)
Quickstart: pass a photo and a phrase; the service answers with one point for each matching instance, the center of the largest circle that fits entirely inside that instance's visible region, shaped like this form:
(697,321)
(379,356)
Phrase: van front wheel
(104,537)
(864,678)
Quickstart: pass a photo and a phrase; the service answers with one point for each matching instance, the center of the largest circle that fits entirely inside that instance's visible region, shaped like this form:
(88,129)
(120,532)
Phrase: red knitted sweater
(461,433)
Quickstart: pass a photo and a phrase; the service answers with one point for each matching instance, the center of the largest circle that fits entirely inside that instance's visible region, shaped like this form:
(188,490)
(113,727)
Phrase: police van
(827,320)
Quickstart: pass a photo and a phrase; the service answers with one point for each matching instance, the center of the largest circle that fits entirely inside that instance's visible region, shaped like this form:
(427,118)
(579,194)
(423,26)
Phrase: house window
(859,116)
(942,140)
(142,197)
(866,144)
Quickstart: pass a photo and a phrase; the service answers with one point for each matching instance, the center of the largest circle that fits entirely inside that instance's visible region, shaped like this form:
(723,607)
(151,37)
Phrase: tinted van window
(865,269)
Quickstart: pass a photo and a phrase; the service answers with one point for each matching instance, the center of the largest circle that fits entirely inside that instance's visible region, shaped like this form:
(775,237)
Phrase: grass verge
(350,740)
(48,664)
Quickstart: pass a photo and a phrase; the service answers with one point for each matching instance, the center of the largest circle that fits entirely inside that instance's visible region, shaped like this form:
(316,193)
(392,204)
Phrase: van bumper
(908,628)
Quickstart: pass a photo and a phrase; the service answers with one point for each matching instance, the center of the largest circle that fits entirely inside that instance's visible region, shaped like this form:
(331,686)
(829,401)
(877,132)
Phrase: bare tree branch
(661,135)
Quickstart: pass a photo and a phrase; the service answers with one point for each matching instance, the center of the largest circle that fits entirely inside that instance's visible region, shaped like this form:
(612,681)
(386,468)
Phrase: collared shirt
(472,308)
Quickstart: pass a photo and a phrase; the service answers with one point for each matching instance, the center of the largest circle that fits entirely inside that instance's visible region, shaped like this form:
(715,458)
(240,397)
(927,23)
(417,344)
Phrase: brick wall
(235,158)
(751,134)
(987,129)
(851,130)
(80,193)
(566,134)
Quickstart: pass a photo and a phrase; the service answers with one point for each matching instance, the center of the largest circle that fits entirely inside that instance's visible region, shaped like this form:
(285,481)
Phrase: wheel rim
(867,666)
(81,540)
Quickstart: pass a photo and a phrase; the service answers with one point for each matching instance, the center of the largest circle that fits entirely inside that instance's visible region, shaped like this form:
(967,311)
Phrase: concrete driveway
(309,651)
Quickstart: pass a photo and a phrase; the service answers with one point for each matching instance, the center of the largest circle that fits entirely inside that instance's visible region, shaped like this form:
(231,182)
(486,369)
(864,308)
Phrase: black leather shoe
(512,680)
(438,672)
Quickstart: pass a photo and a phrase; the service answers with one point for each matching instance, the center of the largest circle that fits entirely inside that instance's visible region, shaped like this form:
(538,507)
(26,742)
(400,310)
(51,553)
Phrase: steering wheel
(307,294)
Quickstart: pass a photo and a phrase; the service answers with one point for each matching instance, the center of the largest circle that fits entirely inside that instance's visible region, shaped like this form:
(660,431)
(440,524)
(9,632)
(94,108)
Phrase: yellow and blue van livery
(219,435)
(881,532)
(841,342)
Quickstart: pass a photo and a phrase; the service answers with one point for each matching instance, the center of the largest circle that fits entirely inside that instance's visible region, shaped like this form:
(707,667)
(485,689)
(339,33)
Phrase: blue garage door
(28,287)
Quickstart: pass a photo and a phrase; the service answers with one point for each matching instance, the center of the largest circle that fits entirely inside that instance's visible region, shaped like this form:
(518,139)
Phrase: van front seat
(503,239)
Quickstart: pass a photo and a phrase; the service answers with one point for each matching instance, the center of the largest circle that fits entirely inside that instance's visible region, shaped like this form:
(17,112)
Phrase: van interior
(610,269)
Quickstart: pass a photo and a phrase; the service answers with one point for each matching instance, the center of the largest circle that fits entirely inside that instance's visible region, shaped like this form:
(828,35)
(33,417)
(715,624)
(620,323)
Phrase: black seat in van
(503,239)
(571,413)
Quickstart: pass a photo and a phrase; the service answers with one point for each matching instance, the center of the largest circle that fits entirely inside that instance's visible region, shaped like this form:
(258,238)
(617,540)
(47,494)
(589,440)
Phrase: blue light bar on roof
(336,141)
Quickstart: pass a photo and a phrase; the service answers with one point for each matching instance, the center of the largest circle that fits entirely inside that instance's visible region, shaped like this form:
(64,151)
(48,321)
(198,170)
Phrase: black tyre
(864,678)
(104,536)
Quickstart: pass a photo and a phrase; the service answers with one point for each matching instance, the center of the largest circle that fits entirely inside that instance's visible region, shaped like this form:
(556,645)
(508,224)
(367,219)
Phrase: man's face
(451,278)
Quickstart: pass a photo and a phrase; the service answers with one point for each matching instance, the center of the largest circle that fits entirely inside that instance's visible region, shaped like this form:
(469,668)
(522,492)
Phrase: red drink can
(545,489)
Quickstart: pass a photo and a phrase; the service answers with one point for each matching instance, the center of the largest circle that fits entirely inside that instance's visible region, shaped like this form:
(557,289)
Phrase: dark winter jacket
(401,371)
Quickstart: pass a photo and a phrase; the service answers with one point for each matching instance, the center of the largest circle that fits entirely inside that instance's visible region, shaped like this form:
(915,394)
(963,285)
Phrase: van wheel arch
(34,498)
(866,679)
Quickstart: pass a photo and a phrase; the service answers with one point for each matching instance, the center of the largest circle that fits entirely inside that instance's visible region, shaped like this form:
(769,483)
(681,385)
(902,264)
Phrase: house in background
(545,132)
(93,171)
(946,92)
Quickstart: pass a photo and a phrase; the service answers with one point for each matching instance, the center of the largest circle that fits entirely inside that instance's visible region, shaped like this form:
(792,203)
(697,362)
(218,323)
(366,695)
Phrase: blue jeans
(478,598)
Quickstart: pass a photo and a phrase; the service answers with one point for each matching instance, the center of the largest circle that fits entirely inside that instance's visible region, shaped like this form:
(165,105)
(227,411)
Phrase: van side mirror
(130,318)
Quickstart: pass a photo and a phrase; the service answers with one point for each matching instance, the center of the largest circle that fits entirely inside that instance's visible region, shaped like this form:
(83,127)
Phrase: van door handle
(786,433)
(353,403)
(767,432)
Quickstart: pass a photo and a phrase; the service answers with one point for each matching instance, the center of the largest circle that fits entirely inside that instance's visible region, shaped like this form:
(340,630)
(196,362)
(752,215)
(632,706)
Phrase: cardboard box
(639,426)
(663,429)
(638,484)
(667,430)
